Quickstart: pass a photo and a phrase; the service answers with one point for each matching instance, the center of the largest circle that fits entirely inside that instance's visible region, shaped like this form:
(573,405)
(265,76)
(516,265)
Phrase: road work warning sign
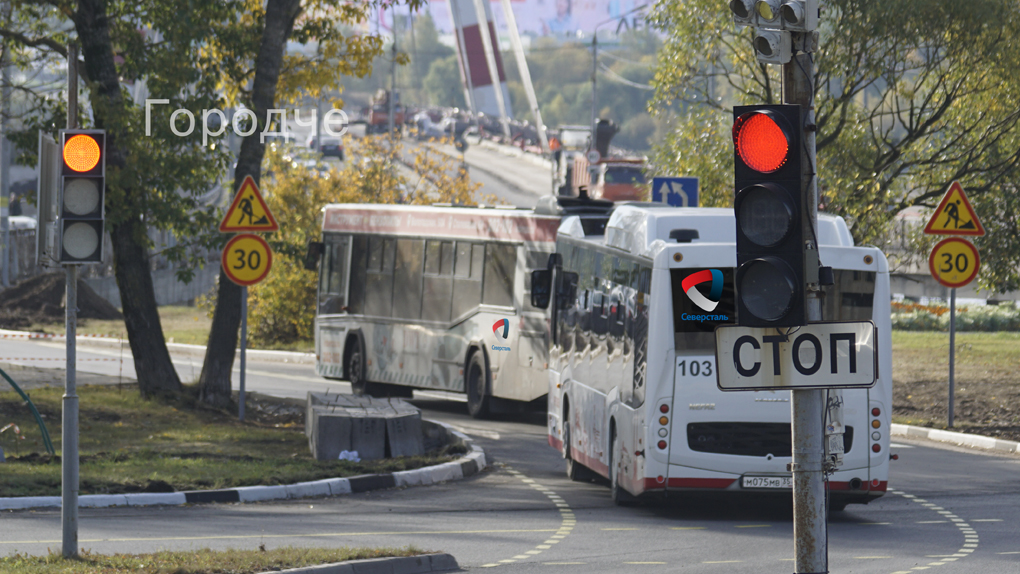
(954,215)
(249,211)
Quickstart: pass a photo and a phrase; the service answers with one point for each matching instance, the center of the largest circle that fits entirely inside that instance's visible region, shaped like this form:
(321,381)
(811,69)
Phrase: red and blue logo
(502,324)
(691,282)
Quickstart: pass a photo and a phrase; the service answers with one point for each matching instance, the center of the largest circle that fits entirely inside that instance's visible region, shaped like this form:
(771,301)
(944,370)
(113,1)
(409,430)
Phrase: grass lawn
(986,357)
(195,562)
(181,324)
(128,444)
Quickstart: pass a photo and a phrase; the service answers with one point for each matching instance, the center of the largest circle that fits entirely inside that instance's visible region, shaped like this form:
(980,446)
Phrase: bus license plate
(766,482)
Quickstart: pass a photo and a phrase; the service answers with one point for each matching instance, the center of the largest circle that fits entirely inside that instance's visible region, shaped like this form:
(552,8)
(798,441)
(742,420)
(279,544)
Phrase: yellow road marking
(644,562)
(687,528)
(1009,552)
(617,528)
(564,563)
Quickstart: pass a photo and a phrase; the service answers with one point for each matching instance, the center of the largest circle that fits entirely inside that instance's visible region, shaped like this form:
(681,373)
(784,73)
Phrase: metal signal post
(777,246)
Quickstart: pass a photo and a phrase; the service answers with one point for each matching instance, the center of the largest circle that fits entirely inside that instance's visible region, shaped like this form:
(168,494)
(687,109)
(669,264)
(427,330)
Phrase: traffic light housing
(82,196)
(770,216)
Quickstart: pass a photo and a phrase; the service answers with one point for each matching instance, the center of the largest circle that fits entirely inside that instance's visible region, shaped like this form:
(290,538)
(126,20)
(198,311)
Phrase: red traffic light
(81,153)
(761,141)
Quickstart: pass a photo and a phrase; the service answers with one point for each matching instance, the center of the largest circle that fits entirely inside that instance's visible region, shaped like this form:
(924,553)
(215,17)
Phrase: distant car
(328,147)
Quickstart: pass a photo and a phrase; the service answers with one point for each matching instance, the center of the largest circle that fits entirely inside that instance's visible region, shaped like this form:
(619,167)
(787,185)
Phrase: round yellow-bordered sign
(954,262)
(246,259)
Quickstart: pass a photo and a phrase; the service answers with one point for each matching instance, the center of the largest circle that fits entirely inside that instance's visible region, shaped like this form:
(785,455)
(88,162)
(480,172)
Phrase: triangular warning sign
(954,215)
(249,211)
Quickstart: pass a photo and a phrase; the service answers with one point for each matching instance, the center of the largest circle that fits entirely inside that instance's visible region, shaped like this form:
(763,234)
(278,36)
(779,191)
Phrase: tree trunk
(155,371)
(219,352)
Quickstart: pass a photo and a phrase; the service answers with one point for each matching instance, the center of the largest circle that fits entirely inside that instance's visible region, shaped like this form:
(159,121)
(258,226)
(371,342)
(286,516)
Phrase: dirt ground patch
(987,398)
(40,299)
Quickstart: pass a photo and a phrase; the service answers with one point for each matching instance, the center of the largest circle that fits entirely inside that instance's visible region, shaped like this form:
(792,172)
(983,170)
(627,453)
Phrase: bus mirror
(541,288)
(568,290)
(315,250)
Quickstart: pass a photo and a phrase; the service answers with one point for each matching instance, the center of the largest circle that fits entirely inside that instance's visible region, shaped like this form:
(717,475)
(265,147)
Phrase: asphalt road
(952,510)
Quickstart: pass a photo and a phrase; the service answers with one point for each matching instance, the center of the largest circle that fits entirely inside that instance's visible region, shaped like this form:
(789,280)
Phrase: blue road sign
(675,191)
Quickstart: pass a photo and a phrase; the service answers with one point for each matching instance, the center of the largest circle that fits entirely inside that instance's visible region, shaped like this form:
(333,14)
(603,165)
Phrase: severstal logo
(504,325)
(691,282)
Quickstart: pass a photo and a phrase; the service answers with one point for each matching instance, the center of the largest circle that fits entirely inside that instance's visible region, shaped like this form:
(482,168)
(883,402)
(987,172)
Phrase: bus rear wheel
(620,496)
(477,386)
(354,368)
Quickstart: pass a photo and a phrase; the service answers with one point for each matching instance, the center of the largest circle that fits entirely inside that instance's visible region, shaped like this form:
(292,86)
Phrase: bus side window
(467,281)
(379,287)
(437,295)
(358,276)
(407,276)
(500,270)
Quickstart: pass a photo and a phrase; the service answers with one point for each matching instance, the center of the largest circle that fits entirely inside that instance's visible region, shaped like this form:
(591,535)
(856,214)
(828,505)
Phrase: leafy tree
(909,96)
(442,84)
(153,179)
(253,52)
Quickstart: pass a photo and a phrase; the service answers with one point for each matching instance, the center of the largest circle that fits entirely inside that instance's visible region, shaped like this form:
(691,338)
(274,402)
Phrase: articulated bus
(437,297)
(633,394)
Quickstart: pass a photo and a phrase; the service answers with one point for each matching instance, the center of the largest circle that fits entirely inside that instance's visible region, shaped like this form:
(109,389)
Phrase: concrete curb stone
(396,565)
(958,438)
(470,464)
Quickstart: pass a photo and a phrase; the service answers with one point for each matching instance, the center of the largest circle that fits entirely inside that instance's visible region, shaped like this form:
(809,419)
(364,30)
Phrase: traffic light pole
(69,415)
(808,406)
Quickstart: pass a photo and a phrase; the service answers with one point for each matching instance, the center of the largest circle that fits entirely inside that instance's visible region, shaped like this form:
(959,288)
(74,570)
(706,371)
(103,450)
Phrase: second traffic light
(769,210)
(82,196)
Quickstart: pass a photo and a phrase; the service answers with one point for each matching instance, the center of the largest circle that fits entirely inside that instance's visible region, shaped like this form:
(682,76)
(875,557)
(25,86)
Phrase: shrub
(912,317)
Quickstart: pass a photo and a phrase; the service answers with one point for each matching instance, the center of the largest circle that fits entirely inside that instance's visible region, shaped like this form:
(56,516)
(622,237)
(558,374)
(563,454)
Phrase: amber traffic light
(82,191)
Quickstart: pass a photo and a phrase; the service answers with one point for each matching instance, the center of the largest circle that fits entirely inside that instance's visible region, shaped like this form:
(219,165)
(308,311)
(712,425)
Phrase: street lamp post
(595,64)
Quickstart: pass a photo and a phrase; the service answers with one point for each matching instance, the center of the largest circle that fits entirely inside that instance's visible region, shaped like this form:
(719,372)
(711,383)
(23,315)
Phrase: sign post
(954,262)
(246,258)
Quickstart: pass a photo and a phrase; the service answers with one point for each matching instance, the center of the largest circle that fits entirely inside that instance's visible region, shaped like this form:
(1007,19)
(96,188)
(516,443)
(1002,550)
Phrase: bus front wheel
(477,386)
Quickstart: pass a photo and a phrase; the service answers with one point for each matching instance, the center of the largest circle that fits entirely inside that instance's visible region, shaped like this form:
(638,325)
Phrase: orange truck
(614,179)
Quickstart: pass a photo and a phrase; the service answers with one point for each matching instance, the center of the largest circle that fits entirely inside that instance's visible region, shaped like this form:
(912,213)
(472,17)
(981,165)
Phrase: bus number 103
(696,368)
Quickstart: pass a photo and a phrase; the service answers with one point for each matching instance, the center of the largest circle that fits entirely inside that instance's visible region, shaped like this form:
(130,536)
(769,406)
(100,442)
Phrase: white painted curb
(959,438)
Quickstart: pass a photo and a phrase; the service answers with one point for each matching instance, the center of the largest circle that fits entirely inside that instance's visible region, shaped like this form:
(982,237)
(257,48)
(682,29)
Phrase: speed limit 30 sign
(246,259)
(954,262)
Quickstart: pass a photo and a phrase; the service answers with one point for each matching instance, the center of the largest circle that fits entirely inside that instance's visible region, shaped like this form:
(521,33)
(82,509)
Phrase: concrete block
(368,437)
(331,433)
(372,427)
(404,435)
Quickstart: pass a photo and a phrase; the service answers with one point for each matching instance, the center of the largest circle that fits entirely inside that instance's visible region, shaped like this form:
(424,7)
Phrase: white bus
(633,395)
(437,297)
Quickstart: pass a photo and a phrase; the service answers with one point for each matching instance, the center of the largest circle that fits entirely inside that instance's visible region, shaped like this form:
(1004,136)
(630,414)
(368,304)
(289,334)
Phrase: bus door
(331,333)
